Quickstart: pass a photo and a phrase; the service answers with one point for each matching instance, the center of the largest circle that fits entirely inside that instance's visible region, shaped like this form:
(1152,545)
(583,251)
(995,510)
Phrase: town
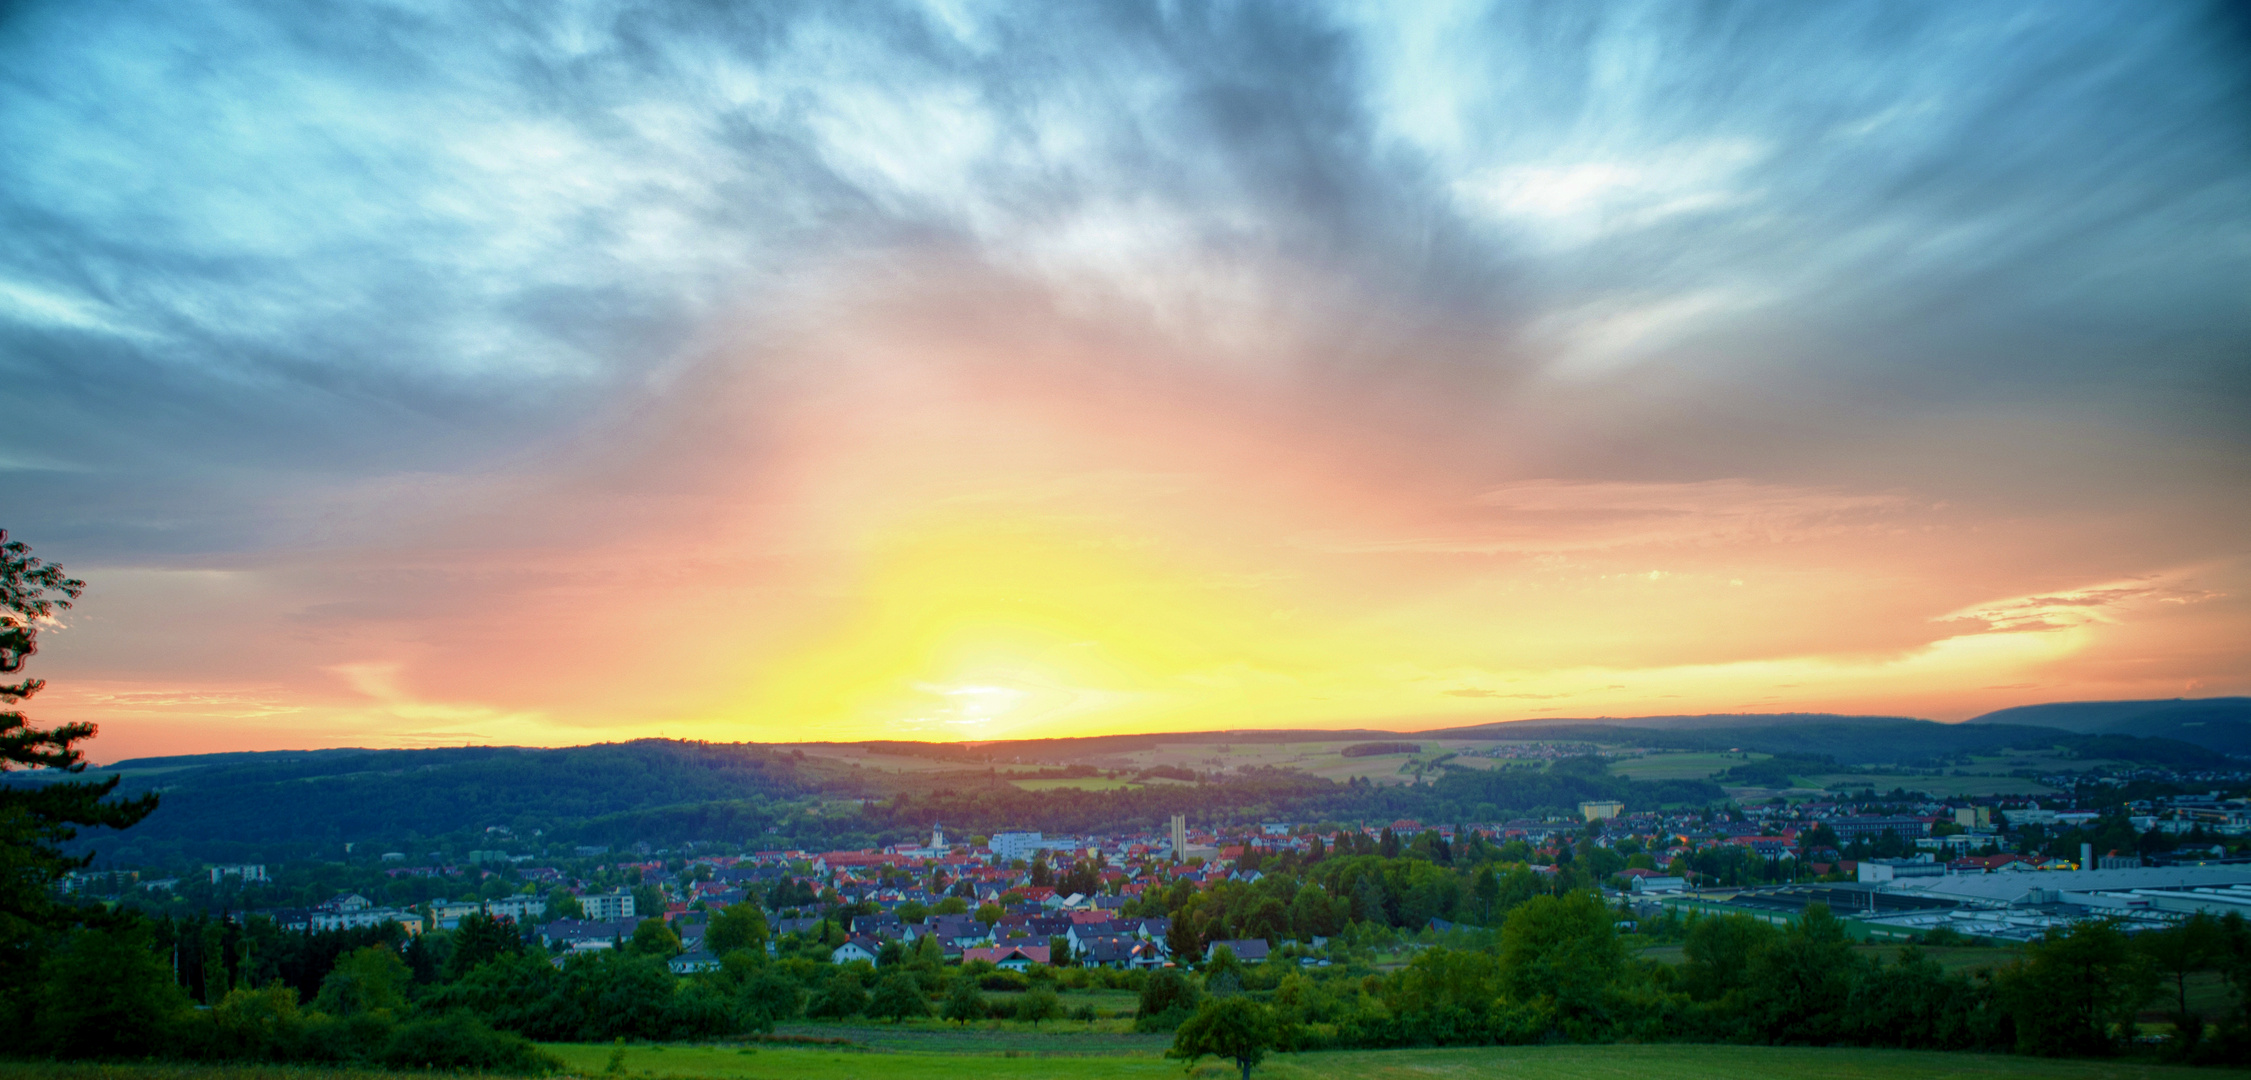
(1899,867)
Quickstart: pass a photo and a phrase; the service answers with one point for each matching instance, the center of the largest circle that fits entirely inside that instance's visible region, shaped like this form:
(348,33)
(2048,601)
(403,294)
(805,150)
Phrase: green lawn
(1686,1062)
(1659,1062)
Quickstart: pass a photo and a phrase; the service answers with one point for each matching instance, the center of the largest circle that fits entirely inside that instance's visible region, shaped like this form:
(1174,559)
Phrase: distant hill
(216,804)
(289,804)
(1851,740)
(2222,724)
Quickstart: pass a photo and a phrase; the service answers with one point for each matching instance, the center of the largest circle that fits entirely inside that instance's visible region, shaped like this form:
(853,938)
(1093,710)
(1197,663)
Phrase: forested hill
(278,800)
(2222,724)
(1456,796)
(259,807)
(1851,740)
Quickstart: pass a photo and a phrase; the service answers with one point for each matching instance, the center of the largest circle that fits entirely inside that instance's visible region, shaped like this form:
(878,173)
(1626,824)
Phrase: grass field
(1659,1062)
(1077,783)
(1655,1062)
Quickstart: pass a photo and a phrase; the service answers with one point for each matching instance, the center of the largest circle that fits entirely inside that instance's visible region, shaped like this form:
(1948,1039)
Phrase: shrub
(458,1040)
(898,997)
(842,997)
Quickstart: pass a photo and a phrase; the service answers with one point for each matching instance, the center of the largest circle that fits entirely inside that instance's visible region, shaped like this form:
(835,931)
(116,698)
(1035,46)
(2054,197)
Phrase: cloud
(1563,516)
(2072,608)
(435,317)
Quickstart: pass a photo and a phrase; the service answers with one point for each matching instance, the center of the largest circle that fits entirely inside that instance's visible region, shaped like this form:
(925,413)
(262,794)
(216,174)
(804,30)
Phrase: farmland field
(1076,783)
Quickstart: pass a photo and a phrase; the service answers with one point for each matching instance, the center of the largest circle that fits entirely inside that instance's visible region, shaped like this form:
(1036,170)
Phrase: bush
(842,997)
(1167,999)
(250,1025)
(898,997)
(460,1041)
(1002,982)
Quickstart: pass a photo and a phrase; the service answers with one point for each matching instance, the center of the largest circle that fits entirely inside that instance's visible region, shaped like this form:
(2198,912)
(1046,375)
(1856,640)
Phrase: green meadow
(1653,1062)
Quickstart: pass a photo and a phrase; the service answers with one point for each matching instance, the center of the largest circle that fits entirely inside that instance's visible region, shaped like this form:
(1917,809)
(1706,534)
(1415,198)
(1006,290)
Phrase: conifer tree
(37,820)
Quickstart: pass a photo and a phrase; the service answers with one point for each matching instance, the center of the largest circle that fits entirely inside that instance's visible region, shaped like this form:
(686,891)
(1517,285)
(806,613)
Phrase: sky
(428,374)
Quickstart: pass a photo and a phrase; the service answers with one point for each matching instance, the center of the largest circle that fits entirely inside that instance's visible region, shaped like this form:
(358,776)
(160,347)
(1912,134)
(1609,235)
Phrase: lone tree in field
(1235,1028)
(36,820)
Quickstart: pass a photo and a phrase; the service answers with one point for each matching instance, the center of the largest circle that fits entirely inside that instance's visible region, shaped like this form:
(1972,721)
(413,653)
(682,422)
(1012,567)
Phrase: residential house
(856,947)
(1104,950)
(1008,957)
(1247,950)
(688,963)
(579,935)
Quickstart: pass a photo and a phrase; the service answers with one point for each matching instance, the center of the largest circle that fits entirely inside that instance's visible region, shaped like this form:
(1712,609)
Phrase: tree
(480,938)
(107,994)
(898,997)
(1223,973)
(653,938)
(964,1003)
(1562,950)
(2178,952)
(1718,954)
(1235,1028)
(37,819)
(1800,982)
(1039,1003)
(842,997)
(367,980)
(740,926)
(2076,990)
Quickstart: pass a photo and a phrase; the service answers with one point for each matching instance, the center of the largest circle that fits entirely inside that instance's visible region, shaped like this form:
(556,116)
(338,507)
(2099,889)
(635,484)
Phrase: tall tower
(1179,837)
(937,837)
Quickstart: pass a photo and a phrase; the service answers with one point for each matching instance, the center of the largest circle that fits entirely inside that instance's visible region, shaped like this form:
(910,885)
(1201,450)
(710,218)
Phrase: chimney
(2086,856)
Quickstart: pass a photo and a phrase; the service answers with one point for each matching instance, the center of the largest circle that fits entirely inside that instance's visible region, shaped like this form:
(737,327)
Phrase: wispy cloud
(1559,516)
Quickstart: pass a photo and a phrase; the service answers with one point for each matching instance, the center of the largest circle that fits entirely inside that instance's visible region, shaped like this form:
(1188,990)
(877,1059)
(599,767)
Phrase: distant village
(1020,899)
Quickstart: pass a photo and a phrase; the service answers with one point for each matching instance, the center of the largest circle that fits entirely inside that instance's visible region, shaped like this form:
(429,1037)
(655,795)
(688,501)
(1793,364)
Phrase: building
(1976,817)
(1104,951)
(248,872)
(1872,870)
(524,908)
(359,917)
(1656,883)
(580,935)
(688,963)
(1849,829)
(856,947)
(1247,950)
(1011,846)
(1179,837)
(614,904)
(1009,957)
(1601,810)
